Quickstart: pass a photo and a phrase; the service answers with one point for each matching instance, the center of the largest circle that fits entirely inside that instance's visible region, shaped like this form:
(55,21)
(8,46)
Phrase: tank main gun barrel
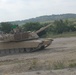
(43,28)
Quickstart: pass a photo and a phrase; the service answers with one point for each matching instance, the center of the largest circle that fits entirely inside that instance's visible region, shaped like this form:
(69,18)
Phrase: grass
(58,65)
(33,64)
(39,64)
(66,34)
(52,66)
(72,65)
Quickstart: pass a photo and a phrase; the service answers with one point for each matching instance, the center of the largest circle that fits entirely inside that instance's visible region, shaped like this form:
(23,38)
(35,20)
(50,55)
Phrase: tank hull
(23,46)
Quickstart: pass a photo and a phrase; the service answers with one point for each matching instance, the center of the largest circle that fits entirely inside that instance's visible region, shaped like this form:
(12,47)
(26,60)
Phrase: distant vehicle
(20,41)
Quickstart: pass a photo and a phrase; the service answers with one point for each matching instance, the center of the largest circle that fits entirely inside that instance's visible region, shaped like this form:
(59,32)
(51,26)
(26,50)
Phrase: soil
(35,63)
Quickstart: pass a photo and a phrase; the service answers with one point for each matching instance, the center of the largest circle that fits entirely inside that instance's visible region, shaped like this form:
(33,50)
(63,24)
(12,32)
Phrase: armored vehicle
(21,41)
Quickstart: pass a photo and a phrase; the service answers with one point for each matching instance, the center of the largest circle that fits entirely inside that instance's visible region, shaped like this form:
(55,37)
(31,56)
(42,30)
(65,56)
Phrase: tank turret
(18,35)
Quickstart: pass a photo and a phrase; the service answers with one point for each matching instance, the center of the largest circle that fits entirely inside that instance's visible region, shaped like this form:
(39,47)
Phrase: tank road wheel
(33,49)
(21,50)
(12,51)
(2,52)
(16,50)
(7,52)
(28,50)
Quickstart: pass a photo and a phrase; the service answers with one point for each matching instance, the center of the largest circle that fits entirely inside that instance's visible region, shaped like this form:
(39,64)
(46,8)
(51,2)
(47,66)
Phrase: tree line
(58,27)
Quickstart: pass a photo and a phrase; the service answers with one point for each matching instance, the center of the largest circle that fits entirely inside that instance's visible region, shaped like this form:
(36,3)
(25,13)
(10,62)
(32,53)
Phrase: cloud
(23,9)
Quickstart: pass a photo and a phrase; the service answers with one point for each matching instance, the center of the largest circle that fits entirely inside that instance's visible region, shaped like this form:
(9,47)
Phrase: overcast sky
(11,10)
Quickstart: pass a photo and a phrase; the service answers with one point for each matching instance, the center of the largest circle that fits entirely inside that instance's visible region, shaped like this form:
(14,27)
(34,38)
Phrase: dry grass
(65,60)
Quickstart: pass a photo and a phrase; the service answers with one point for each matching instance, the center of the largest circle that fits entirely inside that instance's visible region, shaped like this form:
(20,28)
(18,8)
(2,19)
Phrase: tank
(19,41)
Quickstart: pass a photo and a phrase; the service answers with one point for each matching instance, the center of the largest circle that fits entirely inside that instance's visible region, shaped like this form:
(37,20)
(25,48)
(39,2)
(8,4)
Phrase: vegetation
(5,27)
(32,26)
(59,27)
(39,64)
(72,65)
(65,34)
(48,18)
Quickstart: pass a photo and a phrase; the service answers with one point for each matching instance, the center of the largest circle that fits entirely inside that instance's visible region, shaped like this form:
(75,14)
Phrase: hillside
(46,18)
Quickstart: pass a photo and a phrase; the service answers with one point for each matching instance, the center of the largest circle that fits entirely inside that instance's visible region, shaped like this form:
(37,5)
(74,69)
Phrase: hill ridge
(46,18)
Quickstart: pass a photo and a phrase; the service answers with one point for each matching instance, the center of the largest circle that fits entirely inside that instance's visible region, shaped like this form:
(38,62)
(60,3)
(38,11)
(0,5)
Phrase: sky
(11,10)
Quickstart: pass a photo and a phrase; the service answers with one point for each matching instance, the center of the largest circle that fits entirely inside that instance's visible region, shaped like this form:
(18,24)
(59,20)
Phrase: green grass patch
(58,65)
(72,65)
(66,34)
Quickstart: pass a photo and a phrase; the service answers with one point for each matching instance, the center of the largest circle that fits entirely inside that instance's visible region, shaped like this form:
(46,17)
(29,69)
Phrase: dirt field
(58,59)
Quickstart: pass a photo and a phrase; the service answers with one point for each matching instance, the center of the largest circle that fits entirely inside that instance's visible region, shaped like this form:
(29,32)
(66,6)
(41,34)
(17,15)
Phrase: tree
(32,26)
(60,26)
(6,27)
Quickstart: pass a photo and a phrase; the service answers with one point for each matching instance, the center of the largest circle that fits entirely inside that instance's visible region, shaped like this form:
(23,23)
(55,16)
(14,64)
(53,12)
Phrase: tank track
(16,51)
(13,51)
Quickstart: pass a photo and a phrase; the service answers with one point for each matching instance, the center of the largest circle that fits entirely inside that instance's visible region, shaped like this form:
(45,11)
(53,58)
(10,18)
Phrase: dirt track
(62,49)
